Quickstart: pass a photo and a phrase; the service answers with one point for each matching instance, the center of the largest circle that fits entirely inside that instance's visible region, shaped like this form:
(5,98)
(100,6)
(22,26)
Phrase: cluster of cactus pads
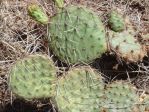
(122,40)
(77,35)
(81,89)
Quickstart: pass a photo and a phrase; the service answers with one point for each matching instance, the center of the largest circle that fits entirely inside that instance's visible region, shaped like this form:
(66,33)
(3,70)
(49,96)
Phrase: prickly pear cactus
(116,21)
(77,35)
(37,13)
(120,97)
(33,77)
(80,90)
(126,46)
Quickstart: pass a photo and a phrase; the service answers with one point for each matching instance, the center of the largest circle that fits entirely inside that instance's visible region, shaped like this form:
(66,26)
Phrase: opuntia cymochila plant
(33,77)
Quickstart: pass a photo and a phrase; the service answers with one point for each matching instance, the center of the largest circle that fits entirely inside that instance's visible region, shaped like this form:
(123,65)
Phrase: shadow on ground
(22,106)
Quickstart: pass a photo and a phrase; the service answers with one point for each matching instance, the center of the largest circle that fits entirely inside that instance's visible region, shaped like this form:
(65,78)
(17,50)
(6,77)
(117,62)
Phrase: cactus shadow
(112,69)
(19,105)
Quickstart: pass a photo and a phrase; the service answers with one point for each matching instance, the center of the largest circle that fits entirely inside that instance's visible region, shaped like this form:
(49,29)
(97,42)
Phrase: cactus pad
(80,90)
(126,46)
(37,13)
(77,35)
(116,21)
(120,97)
(33,77)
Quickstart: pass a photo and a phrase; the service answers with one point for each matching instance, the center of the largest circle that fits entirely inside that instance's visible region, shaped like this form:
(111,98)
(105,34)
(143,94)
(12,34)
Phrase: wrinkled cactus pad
(80,90)
(77,35)
(33,77)
(126,46)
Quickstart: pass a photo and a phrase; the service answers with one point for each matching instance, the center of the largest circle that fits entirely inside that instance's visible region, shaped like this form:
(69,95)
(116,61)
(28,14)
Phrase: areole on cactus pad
(77,35)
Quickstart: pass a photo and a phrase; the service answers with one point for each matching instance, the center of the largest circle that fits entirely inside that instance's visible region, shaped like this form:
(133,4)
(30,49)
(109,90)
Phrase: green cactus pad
(126,46)
(37,14)
(120,97)
(33,77)
(80,90)
(116,21)
(77,35)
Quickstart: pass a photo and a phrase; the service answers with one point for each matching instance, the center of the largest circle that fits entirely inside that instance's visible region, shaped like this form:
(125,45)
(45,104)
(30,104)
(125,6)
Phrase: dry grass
(20,36)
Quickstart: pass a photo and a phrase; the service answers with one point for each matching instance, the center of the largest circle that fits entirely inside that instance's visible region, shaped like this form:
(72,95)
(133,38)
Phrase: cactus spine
(122,40)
